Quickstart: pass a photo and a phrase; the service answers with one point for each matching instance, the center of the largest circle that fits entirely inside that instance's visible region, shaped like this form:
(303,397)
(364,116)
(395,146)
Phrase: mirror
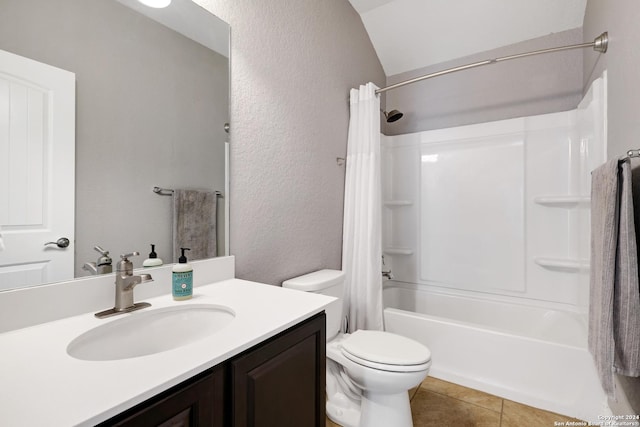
(151,103)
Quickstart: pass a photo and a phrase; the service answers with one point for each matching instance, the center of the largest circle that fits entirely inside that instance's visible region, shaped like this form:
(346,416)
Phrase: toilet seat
(386,351)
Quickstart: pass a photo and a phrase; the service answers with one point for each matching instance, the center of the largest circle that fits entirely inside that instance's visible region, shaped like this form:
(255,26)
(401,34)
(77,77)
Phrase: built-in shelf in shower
(563,264)
(563,201)
(397,203)
(398,251)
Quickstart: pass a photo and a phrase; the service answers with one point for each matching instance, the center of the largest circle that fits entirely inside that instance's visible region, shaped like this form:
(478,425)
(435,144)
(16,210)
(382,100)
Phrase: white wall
(292,65)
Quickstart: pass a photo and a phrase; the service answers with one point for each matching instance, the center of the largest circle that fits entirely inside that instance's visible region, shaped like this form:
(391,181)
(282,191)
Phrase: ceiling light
(156,3)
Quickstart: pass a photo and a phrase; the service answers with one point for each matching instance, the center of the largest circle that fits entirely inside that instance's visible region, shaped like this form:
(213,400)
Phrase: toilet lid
(385,348)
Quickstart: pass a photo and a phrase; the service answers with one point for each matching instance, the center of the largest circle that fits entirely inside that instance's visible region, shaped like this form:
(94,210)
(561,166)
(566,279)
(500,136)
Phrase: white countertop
(41,385)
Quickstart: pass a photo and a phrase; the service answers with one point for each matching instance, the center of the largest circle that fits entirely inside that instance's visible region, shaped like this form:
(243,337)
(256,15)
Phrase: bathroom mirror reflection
(151,101)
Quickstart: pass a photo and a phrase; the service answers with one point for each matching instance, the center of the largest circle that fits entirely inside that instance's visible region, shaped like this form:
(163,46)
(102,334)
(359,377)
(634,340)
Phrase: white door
(37,165)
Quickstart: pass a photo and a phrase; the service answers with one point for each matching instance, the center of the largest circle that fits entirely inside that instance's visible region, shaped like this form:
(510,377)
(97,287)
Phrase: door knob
(62,243)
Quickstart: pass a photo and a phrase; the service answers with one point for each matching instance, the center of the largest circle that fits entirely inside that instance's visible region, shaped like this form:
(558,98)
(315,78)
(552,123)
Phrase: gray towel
(194,223)
(614,311)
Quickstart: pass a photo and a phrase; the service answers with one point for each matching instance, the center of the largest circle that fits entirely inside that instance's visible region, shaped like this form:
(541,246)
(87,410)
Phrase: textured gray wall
(622,62)
(151,105)
(521,87)
(292,65)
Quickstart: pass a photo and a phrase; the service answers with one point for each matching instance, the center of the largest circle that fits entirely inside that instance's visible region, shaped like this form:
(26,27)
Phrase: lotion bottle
(153,260)
(182,278)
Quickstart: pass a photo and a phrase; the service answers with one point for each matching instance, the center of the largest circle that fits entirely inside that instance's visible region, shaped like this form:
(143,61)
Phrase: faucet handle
(105,259)
(125,256)
(100,250)
(124,265)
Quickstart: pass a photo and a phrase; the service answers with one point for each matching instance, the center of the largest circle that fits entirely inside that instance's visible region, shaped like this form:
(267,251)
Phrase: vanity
(241,391)
(263,363)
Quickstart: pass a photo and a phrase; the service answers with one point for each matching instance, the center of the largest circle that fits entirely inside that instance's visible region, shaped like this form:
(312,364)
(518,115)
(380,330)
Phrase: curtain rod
(599,44)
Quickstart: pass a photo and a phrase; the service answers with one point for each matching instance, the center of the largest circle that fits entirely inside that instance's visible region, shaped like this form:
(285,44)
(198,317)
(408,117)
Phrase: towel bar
(633,153)
(169,192)
(163,191)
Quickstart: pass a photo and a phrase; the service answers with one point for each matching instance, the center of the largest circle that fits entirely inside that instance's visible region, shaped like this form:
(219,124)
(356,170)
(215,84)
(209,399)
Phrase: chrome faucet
(125,282)
(102,265)
(386,273)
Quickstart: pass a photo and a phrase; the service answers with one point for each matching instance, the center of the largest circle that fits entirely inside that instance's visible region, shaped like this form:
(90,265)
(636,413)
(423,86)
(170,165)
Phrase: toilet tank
(325,282)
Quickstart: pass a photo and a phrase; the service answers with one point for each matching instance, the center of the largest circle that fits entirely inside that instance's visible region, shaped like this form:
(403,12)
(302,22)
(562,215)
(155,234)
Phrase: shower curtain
(362,230)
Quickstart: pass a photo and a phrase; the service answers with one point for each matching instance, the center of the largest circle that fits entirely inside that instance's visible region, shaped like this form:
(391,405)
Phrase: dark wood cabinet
(279,382)
(282,383)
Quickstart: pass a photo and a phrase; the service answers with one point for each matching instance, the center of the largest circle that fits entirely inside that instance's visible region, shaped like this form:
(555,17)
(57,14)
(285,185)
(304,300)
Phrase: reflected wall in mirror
(151,104)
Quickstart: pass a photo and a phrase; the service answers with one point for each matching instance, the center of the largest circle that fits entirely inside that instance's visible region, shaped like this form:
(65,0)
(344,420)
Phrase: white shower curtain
(361,244)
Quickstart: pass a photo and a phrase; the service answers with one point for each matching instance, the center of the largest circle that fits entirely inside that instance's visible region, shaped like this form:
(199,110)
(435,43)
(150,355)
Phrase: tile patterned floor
(437,403)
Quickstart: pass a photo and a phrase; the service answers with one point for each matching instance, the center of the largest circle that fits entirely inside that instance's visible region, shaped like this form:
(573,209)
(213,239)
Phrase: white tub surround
(487,226)
(43,385)
(499,207)
(526,352)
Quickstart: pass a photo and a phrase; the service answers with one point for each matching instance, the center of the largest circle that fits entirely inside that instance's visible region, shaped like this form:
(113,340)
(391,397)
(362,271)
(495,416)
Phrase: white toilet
(369,373)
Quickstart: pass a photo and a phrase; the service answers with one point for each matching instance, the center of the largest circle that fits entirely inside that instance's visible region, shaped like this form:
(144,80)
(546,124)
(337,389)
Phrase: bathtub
(522,352)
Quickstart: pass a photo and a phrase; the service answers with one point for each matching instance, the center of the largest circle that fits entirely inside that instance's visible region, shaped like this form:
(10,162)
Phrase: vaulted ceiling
(411,34)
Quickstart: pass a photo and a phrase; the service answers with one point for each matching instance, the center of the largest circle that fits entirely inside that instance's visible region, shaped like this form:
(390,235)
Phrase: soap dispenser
(182,278)
(153,260)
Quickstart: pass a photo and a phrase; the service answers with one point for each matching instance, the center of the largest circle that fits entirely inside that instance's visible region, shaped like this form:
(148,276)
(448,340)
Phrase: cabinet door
(196,402)
(282,382)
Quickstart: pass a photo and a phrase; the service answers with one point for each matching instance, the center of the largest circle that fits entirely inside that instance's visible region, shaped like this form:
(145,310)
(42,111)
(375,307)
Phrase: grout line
(464,401)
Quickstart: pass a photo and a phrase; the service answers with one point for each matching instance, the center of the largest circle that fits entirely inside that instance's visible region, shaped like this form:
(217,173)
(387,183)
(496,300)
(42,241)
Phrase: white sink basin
(150,332)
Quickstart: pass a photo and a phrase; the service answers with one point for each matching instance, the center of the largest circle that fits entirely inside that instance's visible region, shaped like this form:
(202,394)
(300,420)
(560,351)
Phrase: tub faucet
(125,282)
(386,272)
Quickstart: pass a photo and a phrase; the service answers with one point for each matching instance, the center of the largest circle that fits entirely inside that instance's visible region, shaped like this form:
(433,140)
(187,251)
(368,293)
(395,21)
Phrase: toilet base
(384,410)
(346,416)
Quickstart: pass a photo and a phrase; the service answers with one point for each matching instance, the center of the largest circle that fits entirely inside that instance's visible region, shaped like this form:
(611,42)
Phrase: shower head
(392,116)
